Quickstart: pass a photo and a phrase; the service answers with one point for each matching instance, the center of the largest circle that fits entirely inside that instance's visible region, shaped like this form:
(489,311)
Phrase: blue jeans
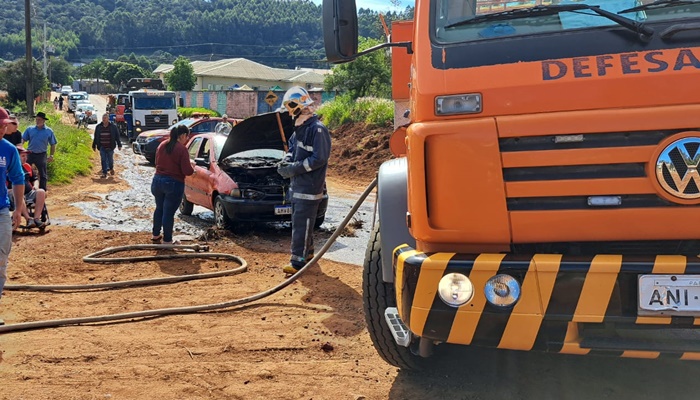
(5,244)
(168,193)
(107,158)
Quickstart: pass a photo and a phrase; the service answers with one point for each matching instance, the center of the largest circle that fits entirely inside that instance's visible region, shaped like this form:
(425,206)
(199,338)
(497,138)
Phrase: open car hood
(258,132)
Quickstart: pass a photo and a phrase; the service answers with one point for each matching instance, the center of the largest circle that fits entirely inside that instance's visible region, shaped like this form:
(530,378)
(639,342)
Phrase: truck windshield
(452,18)
(154,103)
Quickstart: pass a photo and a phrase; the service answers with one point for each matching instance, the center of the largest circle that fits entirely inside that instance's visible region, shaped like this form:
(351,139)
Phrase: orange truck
(546,192)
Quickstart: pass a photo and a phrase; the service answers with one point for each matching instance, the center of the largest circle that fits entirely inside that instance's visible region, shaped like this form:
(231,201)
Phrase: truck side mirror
(340,30)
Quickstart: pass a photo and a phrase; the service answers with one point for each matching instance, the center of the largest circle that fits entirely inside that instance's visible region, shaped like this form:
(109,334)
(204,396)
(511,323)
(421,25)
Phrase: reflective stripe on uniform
(303,196)
(310,149)
(306,165)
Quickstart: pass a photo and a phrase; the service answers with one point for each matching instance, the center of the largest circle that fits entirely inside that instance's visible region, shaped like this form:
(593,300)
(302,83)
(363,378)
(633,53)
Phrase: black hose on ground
(190,309)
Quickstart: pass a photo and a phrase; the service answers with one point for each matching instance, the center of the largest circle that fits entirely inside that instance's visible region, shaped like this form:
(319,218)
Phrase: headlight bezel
(456,104)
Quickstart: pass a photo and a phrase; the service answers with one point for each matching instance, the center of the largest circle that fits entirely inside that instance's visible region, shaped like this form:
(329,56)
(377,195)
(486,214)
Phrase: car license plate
(669,295)
(283,210)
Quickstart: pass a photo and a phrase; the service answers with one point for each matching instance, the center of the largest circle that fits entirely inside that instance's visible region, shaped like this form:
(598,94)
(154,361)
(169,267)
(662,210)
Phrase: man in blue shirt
(10,170)
(40,137)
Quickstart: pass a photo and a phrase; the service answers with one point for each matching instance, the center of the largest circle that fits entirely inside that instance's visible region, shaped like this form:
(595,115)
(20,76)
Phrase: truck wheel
(185,206)
(222,220)
(377,297)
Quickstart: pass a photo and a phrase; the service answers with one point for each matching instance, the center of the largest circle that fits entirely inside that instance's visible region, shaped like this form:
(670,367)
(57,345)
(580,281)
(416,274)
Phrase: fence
(241,103)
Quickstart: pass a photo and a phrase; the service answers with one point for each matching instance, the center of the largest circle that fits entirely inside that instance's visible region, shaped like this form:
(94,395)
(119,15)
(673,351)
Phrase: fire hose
(194,251)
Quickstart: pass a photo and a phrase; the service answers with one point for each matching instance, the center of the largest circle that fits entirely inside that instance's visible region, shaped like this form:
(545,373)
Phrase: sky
(379,5)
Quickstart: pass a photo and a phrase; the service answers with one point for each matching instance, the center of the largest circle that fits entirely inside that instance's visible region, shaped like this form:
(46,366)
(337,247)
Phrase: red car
(236,174)
(147,142)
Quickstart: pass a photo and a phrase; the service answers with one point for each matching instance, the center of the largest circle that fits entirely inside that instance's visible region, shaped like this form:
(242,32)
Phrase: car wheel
(222,220)
(185,206)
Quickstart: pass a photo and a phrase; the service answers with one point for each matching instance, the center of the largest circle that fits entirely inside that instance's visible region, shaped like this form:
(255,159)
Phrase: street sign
(271,98)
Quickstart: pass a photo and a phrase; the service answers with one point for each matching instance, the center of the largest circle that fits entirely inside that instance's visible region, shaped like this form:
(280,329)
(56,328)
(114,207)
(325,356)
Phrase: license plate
(669,295)
(283,210)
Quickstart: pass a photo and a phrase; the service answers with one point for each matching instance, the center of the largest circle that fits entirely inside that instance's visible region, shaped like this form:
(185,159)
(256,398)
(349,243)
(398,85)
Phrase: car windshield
(471,20)
(154,103)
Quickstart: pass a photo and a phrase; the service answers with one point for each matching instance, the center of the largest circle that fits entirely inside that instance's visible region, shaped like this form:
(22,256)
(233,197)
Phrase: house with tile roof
(235,73)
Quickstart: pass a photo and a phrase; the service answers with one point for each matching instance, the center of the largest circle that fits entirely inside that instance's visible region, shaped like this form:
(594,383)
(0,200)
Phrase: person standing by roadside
(172,165)
(106,139)
(223,126)
(305,164)
(40,137)
(10,170)
(13,134)
(60,103)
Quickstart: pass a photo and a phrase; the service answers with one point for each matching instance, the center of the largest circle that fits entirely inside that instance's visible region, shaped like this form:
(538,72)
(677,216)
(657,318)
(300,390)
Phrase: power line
(160,47)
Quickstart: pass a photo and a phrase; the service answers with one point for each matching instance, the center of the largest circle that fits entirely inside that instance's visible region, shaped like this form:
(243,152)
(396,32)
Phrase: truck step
(401,334)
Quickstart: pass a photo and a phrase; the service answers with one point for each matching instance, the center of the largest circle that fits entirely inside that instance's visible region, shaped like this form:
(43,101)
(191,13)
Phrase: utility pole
(45,63)
(28,40)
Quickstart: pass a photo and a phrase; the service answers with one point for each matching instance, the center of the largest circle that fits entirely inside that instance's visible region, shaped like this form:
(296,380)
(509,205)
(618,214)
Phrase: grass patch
(74,149)
(370,110)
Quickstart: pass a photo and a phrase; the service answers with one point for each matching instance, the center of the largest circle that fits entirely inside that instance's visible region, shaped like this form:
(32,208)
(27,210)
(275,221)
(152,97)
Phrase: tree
(117,72)
(181,77)
(61,71)
(15,78)
(369,75)
(128,71)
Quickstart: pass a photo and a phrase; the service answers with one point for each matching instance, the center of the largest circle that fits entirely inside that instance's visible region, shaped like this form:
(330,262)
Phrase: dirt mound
(358,151)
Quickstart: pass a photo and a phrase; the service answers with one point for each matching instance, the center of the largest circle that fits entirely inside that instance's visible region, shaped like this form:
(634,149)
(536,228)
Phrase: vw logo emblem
(677,168)
(156,120)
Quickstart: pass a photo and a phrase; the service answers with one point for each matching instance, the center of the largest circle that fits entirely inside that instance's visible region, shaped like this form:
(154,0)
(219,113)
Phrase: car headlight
(455,289)
(502,290)
(458,104)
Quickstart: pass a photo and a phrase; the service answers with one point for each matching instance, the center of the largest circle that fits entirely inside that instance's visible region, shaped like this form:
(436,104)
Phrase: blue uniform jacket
(309,150)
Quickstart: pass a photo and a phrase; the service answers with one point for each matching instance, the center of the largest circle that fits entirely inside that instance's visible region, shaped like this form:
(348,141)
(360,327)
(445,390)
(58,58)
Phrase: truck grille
(157,121)
(586,173)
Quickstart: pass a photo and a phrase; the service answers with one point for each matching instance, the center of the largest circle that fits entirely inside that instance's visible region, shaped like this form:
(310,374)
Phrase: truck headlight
(455,289)
(174,122)
(137,123)
(502,290)
(458,104)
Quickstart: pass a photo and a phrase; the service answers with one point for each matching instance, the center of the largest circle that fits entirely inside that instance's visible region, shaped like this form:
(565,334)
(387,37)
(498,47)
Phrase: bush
(370,110)
(186,112)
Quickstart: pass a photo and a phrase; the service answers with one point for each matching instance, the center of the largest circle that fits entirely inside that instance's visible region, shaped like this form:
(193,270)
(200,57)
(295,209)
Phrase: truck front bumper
(575,305)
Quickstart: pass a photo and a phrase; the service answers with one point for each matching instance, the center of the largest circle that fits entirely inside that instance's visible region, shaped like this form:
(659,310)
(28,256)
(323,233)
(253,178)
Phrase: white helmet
(296,99)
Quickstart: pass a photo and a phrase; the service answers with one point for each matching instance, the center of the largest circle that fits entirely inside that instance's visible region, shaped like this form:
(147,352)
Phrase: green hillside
(281,33)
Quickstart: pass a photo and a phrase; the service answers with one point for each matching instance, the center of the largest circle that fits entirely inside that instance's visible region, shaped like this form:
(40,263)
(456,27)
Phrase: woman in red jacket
(172,165)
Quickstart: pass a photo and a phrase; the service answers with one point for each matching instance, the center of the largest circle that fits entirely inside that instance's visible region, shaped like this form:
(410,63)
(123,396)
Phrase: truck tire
(222,220)
(185,206)
(377,297)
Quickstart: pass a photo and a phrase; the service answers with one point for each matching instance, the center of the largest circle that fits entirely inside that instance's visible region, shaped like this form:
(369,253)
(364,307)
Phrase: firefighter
(305,165)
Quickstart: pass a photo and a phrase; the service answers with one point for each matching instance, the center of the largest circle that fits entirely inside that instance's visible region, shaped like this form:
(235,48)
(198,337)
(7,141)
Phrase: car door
(203,181)
(194,192)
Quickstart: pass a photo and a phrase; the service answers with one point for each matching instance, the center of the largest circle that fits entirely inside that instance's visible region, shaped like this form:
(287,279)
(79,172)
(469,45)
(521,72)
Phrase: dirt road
(305,342)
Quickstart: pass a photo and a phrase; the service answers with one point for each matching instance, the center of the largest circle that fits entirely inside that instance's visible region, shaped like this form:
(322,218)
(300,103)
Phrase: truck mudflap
(576,305)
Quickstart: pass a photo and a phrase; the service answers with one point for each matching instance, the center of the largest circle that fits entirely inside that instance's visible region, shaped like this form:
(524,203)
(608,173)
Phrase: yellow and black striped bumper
(576,305)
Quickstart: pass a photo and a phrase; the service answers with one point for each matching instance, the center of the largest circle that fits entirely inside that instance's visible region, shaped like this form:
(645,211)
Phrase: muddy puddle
(131,211)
